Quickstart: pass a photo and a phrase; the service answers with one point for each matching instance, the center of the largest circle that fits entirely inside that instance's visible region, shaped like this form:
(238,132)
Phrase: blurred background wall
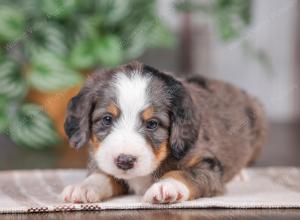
(267,70)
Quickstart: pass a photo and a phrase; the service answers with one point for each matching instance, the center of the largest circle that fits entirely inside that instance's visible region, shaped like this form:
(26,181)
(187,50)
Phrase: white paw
(82,193)
(94,189)
(167,191)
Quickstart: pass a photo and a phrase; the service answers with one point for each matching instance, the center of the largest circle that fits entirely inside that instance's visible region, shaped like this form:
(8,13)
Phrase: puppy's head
(135,116)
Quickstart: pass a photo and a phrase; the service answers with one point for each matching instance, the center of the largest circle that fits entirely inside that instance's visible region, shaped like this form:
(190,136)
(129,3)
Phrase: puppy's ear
(78,118)
(185,124)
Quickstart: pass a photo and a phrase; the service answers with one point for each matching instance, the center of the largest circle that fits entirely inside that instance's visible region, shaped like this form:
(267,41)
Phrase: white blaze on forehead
(131,97)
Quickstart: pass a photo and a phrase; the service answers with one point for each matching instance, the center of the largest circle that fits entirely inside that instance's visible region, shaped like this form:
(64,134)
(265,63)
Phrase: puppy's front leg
(96,187)
(178,186)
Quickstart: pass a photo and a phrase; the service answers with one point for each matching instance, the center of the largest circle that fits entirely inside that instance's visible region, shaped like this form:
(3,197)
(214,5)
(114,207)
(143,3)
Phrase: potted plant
(49,46)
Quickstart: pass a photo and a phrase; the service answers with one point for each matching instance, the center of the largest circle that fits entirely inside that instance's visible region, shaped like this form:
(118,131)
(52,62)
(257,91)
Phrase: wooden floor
(283,149)
(186,214)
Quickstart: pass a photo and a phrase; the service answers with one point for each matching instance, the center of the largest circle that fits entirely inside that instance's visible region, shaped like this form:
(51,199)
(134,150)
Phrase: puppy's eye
(152,124)
(107,120)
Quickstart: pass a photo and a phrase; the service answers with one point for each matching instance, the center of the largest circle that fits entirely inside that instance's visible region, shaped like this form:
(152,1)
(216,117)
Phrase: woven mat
(38,191)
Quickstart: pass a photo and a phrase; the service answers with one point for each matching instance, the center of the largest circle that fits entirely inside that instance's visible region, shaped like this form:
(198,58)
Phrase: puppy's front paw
(167,191)
(82,193)
(95,188)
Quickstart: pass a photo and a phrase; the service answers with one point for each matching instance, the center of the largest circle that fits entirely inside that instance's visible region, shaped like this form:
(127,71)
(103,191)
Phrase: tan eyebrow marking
(113,109)
(148,113)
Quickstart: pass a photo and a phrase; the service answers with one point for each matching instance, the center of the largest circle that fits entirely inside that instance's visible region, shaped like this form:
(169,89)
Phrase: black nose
(125,161)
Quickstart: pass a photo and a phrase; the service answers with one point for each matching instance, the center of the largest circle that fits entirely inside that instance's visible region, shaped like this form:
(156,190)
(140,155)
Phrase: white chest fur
(139,185)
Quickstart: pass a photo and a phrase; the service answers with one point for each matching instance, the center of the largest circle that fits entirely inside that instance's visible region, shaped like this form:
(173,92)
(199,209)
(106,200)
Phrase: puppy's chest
(139,185)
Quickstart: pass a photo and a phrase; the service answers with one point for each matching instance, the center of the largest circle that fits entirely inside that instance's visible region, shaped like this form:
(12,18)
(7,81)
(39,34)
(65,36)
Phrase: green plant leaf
(226,29)
(46,36)
(160,35)
(12,23)
(81,55)
(3,114)
(31,8)
(58,8)
(113,11)
(89,26)
(136,42)
(50,73)
(33,128)
(105,50)
(108,50)
(12,83)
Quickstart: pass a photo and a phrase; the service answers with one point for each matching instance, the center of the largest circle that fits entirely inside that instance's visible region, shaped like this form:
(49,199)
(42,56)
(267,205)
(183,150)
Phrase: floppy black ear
(77,122)
(185,124)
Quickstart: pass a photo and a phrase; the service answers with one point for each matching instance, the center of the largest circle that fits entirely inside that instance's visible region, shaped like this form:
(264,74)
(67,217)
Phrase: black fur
(214,164)
(77,122)
(72,123)
(184,128)
(200,81)
(71,126)
(251,116)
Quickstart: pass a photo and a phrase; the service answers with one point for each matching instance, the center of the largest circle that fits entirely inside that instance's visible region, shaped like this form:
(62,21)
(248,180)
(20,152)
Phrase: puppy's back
(234,120)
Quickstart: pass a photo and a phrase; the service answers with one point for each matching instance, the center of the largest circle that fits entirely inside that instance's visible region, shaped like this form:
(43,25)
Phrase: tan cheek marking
(113,109)
(117,187)
(148,113)
(179,176)
(162,152)
(95,142)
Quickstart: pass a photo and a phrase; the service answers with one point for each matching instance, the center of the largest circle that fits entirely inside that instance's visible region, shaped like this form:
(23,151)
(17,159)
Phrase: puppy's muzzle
(125,161)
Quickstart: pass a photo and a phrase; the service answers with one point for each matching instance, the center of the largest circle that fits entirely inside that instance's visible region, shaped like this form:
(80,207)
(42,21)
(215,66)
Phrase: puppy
(165,138)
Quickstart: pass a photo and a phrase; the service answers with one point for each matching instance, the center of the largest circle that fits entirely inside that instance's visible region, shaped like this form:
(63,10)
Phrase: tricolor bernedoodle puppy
(165,138)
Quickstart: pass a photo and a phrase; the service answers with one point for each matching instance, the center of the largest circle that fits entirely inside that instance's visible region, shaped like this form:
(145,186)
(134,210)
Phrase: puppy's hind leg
(94,188)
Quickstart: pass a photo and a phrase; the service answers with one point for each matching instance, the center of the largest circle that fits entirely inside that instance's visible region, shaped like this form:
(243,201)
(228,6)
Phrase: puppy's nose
(125,161)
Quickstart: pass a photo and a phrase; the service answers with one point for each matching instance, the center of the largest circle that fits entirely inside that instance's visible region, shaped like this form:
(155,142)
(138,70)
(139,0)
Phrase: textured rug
(38,191)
